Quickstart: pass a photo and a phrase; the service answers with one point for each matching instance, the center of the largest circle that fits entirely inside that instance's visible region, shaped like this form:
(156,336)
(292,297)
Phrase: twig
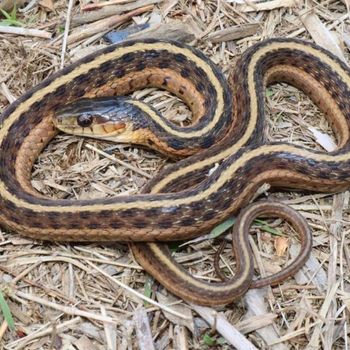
(213,22)
(173,30)
(110,332)
(109,11)
(48,291)
(225,328)
(143,330)
(22,342)
(139,295)
(267,6)
(6,92)
(100,5)
(29,7)
(291,335)
(66,31)
(234,33)
(3,328)
(25,31)
(255,303)
(118,161)
(317,332)
(66,309)
(103,24)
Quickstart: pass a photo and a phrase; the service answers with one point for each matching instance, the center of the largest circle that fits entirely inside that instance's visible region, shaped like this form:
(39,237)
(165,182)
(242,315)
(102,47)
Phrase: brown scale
(155,77)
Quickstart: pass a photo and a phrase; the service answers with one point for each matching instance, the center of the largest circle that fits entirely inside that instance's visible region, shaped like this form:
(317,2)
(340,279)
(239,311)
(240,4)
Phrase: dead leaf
(8,5)
(84,343)
(323,140)
(346,299)
(47,5)
(320,33)
(170,299)
(234,32)
(281,245)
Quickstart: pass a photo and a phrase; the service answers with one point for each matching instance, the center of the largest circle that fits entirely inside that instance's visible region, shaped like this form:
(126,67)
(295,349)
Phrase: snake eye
(85,120)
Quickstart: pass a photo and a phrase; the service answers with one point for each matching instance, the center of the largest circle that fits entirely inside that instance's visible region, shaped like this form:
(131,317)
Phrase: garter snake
(236,114)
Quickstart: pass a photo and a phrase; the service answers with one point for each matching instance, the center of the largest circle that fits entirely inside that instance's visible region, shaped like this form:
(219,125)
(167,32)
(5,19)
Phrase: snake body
(157,260)
(184,200)
(27,126)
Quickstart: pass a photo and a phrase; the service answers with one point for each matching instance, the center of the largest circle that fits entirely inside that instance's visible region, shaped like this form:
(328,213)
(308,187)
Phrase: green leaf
(269,92)
(14,12)
(9,22)
(147,291)
(174,246)
(5,14)
(11,18)
(208,340)
(220,229)
(6,312)
(262,224)
(221,341)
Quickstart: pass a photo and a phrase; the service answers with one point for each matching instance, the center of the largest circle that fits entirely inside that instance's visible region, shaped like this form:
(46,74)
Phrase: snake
(218,177)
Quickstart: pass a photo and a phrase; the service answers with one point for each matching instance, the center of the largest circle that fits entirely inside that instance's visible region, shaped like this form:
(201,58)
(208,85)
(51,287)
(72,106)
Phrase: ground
(66,296)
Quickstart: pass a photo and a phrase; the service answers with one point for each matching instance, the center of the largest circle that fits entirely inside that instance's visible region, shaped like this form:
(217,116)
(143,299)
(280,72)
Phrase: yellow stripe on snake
(185,200)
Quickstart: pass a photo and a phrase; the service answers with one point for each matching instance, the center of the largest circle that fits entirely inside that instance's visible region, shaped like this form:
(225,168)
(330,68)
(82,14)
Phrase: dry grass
(65,297)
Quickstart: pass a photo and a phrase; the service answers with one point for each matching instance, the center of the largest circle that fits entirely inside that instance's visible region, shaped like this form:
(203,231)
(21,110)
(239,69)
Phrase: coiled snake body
(235,113)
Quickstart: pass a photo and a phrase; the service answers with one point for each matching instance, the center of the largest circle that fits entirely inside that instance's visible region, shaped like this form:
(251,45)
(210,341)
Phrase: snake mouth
(115,131)
(97,130)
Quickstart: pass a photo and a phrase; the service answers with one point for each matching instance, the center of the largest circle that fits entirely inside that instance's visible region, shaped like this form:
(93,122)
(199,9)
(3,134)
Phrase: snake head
(114,119)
